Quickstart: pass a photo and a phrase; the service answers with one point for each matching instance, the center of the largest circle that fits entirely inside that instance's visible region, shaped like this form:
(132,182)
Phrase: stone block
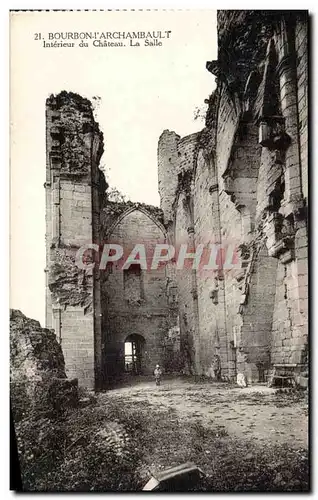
(302,382)
(66,194)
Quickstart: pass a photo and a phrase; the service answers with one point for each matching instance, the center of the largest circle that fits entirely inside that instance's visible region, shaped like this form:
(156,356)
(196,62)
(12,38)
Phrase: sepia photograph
(159,250)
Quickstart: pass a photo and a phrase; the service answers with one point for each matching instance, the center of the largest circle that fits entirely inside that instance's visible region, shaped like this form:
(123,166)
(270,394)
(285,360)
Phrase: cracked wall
(74,195)
(241,181)
(248,186)
(138,301)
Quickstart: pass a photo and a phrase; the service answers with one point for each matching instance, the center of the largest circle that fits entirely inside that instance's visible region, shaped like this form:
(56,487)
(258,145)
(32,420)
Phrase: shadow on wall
(253,356)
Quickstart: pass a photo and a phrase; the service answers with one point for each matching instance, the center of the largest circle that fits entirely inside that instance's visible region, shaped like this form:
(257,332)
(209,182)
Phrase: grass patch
(115,444)
(230,464)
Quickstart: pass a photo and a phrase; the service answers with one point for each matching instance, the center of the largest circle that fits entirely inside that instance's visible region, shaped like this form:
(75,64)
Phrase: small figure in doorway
(157,373)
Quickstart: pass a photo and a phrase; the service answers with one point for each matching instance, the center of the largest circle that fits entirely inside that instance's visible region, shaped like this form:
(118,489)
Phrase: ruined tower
(74,195)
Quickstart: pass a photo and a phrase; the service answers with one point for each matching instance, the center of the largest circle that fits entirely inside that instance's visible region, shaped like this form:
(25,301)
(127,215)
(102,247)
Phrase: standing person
(157,374)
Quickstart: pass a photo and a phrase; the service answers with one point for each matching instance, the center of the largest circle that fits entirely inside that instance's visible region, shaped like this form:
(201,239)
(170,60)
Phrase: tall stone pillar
(74,190)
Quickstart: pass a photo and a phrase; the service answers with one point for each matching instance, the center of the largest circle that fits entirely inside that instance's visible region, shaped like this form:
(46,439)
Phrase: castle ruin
(240,182)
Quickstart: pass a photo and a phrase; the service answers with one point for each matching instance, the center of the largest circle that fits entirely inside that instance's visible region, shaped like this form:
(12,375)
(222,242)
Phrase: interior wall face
(240,184)
(252,199)
(135,301)
(206,232)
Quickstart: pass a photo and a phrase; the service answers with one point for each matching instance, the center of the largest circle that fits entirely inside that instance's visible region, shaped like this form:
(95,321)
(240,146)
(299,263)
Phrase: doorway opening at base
(134,347)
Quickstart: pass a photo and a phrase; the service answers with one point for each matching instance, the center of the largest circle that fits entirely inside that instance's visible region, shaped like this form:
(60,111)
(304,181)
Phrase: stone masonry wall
(206,230)
(74,190)
(240,183)
(167,173)
(301,42)
(245,185)
(143,309)
(186,283)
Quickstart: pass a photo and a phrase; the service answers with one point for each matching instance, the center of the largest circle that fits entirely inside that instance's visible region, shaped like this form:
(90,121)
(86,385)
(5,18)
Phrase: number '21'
(37,36)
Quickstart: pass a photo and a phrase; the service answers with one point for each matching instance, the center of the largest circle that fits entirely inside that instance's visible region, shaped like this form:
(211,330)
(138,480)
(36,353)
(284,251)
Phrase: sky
(141,92)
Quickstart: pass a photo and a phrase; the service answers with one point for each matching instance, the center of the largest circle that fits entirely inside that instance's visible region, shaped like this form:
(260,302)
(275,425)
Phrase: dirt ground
(257,413)
(252,439)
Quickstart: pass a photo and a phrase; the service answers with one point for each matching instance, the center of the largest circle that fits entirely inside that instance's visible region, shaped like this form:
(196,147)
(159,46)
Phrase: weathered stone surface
(244,184)
(69,285)
(37,370)
(139,303)
(240,183)
(75,195)
(114,210)
(303,382)
(73,121)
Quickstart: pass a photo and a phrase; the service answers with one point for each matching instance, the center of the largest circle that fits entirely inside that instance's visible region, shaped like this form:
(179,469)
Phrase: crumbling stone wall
(186,283)
(175,178)
(74,196)
(68,284)
(301,42)
(87,307)
(254,351)
(144,306)
(37,370)
(241,183)
(248,186)
(167,174)
(206,231)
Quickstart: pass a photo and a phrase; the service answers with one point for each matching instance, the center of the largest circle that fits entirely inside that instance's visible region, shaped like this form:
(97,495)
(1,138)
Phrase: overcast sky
(142,90)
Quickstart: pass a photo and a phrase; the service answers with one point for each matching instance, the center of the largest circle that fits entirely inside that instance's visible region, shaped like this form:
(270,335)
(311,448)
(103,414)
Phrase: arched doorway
(134,347)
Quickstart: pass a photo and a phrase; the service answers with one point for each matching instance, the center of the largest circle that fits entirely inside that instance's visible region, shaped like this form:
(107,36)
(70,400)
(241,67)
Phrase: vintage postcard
(159,284)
